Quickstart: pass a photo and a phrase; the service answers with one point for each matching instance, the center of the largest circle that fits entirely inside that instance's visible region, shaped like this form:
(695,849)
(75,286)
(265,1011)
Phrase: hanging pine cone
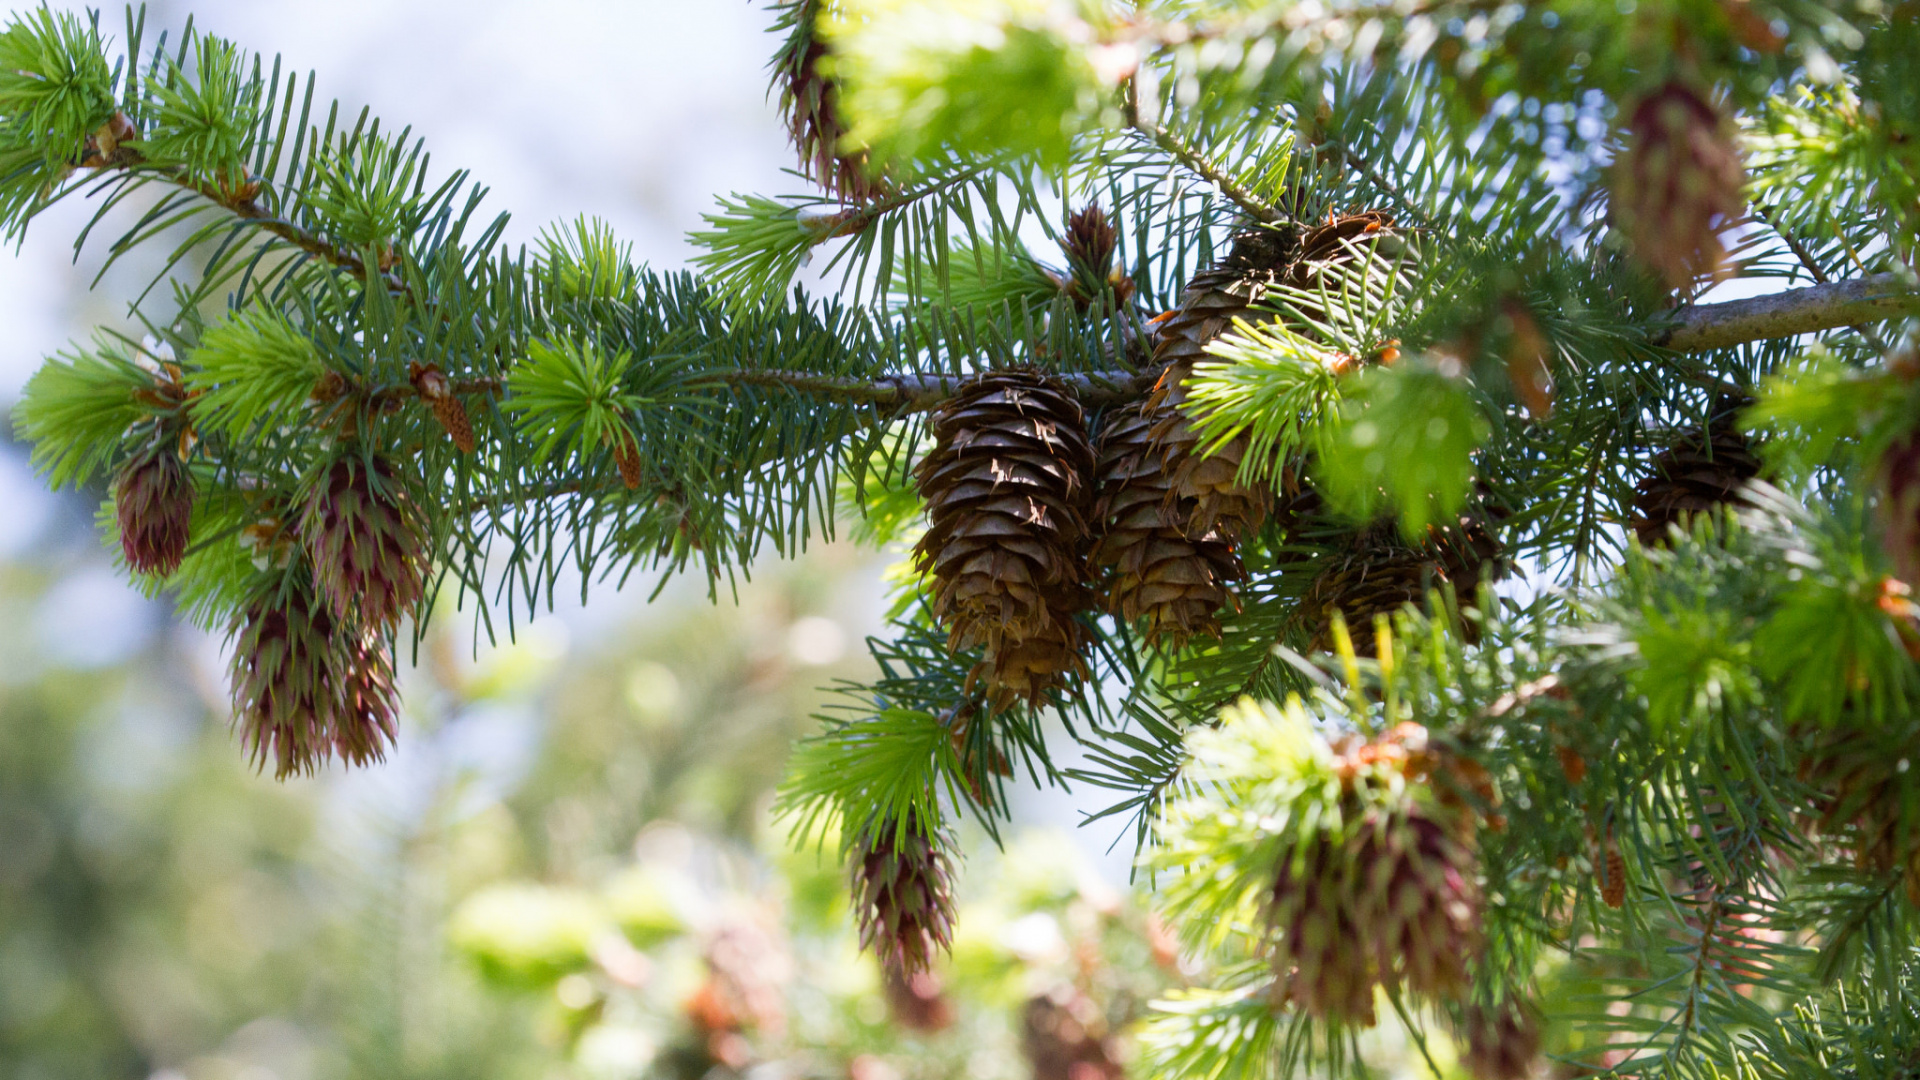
(809,100)
(1007,493)
(1701,468)
(1260,261)
(306,686)
(153,505)
(1379,573)
(1155,574)
(1063,1034)
(917,1002)
(1678,183)
(1388,899)
(902,896)
(1503,1041)
(365,538)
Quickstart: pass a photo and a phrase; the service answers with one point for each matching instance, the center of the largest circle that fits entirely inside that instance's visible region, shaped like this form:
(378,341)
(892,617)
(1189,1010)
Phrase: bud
(902,895)
(153,503)
(434,389)
(366,541)
(1678,181)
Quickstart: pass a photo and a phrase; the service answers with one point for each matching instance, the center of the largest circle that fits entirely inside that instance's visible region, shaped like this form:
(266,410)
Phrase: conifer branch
(1790,313)
(1200,166)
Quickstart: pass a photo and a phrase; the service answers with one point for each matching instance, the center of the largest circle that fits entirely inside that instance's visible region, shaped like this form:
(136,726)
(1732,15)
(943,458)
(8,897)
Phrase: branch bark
(1789,313)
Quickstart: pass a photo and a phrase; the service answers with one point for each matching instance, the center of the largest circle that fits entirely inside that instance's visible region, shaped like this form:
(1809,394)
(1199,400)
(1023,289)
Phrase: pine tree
(1380,303)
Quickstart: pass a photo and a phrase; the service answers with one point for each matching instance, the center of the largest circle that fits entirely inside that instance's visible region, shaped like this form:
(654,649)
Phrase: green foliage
(56,88)
(77,407)
(571,394)
(528,935)
(584,261)
(1273,384)
(204,121)
(1405,440)
(255,369)
(921,81)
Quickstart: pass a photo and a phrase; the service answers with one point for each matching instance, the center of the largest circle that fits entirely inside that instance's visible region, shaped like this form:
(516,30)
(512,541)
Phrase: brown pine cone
(1156,574)
(1700,469)
(1007,496)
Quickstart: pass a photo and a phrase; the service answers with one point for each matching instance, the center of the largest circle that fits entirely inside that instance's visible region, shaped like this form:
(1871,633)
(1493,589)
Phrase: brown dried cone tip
(153,505)
(1678,183)
(1380,573)
(306,685)
(1503,1041)
(1702,468)
(432,385)
(902,896)
(1389,897)
(366,540)
(1007,493)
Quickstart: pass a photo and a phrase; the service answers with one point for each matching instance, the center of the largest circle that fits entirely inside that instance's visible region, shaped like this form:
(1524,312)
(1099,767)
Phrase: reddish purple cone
(306,685)
(153,503)
(366,541)
(903,897)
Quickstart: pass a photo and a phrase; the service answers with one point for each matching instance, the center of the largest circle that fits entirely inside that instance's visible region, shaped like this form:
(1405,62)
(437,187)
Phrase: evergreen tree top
(1220,359)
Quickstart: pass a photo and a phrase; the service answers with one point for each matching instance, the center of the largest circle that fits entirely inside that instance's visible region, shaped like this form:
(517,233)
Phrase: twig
(1197,163)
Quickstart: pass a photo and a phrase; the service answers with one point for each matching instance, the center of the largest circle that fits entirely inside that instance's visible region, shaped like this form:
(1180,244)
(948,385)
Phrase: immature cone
(1391,901)
(1701,469)
(1091,243)
(1063,1035)
(1678,183)
(1155,573)
(917,1002)
(1503,1041)
(903,897)
(366,541)
(306,685)
(1007,497)
(810,102)
(153,504)
(1379,573)
(1613,874)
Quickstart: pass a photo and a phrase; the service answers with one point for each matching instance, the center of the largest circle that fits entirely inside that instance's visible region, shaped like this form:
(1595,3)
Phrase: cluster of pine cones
(313,671)
(1034,522)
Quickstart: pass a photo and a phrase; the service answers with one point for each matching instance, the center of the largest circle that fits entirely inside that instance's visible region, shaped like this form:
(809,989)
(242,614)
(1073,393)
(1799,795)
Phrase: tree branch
(1198,164)
(1789,313)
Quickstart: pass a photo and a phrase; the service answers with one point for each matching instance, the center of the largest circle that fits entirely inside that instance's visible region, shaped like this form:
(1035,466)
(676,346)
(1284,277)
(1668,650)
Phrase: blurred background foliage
(568,870)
